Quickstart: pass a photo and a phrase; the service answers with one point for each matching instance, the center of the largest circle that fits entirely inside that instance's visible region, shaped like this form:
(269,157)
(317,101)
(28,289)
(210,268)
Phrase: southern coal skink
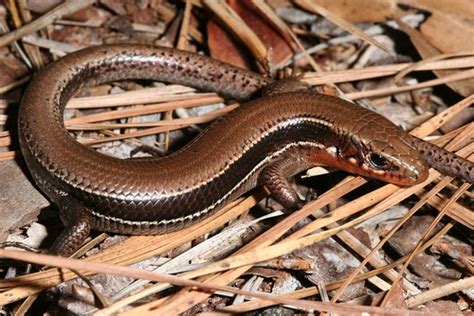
(287,130)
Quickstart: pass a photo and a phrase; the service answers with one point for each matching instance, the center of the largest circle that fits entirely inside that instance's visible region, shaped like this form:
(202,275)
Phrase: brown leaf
(460,8)
(362,10)
(449,33)
(266,29)
(427,50)
(339,21)
(396,299)
(224,47)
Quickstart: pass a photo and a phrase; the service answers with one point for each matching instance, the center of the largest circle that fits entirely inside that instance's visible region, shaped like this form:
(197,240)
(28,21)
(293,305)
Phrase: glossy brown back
(218,165)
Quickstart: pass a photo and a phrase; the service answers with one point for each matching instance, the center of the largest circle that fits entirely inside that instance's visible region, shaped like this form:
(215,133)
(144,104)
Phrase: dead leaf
(396,299)
(363,10)
(461,8)
(427,50)
(449,33)
(224,47)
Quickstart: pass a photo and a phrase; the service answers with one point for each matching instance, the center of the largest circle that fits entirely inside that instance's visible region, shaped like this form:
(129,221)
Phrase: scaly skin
(229,158)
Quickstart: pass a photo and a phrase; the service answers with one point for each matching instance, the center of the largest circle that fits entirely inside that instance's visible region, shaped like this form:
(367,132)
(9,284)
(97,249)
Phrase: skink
(265,141)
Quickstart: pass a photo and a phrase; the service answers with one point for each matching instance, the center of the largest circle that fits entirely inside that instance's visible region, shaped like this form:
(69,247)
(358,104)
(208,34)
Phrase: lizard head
(376,148)
(396,161)
(384,151)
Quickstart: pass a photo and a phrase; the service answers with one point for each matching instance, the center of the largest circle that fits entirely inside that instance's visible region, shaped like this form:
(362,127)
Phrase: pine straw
(268,245)
(138,248)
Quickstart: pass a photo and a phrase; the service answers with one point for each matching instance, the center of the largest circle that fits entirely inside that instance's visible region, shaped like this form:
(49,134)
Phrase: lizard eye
(378,162)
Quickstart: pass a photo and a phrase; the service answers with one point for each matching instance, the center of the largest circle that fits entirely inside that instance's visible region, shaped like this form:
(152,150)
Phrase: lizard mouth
(398,174)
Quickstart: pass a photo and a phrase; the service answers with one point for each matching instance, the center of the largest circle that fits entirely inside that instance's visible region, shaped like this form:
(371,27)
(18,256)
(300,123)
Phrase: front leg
(275,178)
